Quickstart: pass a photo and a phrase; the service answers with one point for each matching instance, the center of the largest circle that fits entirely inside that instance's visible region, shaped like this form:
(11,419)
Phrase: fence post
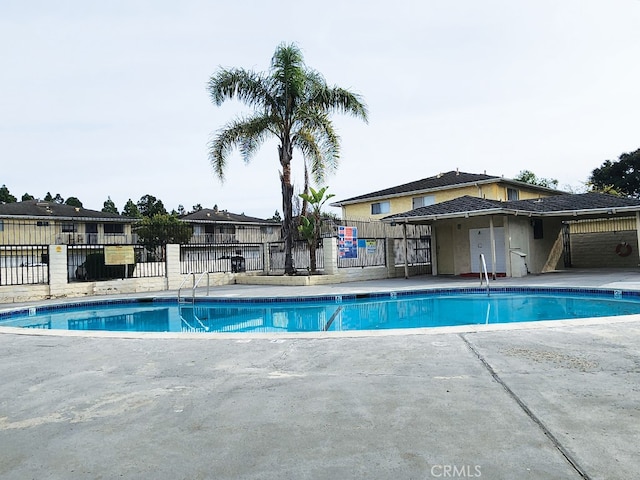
(266,258)
(174,277)
(390,254)
(330,255)
(58,276)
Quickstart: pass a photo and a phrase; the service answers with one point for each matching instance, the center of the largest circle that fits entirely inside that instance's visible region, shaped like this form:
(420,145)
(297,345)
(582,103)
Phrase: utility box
(237,264)
(518,264)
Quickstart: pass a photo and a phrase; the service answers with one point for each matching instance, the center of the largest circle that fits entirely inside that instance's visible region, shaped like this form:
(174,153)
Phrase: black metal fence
(24,264)
(87,263)
(300,253)
(24,249)
(221,258)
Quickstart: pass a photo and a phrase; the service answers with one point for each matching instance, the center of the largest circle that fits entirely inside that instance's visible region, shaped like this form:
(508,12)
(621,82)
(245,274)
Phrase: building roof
(222,216)
(40,209)
(442,181)
(570,205)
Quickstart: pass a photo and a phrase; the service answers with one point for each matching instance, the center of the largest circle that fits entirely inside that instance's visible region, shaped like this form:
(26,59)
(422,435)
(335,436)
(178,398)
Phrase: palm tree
(291,103)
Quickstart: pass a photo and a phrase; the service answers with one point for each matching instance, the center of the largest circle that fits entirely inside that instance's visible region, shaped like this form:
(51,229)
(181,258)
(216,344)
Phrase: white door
(480,242)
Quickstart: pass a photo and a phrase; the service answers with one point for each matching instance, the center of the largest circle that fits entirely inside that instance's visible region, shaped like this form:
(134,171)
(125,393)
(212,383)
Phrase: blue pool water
(335,313)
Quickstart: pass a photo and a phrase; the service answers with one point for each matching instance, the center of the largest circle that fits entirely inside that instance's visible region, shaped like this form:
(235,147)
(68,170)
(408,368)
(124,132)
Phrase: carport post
(406,250)
(493,248)
(638,235)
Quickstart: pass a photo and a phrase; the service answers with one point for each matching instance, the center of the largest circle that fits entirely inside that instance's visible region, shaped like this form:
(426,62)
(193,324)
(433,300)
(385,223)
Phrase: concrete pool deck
(550,401)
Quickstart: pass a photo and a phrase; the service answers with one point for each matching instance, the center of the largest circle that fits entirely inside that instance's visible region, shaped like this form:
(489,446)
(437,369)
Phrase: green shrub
(95,268)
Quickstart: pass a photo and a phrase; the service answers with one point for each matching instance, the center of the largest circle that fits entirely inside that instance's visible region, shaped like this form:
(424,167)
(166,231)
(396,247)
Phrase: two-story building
(28,228)
(439,188)
(34,222)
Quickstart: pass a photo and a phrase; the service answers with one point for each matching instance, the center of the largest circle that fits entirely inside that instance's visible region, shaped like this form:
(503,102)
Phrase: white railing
(483,267)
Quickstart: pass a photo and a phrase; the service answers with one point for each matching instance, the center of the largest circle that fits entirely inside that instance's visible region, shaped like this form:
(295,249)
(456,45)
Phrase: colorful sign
(371,246)
(347,242)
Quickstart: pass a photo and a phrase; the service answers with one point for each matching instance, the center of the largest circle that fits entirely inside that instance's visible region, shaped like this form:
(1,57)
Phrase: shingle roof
(37,208)
(438,181)
(211,215)
(584,203)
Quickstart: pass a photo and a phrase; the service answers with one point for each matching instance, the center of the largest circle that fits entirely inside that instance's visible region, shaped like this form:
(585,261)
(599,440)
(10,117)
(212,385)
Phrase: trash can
(237,264)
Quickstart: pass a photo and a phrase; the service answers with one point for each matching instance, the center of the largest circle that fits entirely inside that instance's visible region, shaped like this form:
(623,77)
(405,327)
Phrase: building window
(114,228)
(512,194)
(42,223)
(418,202)
(380,208)
(537,229)
(69,228)
(1,225)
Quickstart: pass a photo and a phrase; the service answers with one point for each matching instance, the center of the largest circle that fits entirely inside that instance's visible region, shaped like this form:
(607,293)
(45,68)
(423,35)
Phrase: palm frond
(288,73)
(247,134)
(339,100)
(250,88)
(320,145)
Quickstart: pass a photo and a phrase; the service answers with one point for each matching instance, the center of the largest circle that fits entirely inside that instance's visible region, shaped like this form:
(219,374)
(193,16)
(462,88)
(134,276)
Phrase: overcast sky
(108,98)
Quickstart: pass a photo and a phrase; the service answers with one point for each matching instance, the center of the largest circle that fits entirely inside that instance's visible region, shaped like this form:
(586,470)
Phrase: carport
(522,236)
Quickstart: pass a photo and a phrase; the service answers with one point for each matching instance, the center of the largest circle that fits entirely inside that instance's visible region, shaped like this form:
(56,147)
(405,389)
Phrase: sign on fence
(119,255)
(347,242)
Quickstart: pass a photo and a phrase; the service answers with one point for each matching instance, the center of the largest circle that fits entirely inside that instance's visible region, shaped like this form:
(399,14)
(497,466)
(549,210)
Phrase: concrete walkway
(559,401)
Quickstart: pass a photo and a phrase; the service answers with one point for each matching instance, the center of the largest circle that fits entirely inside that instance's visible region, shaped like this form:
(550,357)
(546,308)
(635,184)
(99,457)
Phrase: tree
(148,206)
(26,197)
(621,177)
(131,210)
(5,195)
(529,177)
(197,207)
(276,217)
(73,201)
(291,103)
(309,229)
(161,229)
(109,207)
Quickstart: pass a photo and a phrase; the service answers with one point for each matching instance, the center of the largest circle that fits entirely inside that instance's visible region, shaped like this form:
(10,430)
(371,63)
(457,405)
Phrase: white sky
(108,98)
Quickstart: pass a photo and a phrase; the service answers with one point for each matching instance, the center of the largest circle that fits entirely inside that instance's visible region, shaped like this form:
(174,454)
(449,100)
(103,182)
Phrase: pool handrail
(483,266)
(197,282)
(185,281)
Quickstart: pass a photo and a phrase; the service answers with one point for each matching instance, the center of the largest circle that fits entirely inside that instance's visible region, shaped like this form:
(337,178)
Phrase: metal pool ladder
(196,282)
(483,267)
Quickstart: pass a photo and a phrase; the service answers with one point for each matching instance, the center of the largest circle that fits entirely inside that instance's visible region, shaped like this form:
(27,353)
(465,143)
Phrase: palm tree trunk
(313,247)
(305,203)
(287,207)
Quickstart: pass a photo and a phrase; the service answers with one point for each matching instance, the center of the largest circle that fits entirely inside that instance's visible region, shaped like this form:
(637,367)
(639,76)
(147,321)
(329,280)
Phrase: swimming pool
(379,311)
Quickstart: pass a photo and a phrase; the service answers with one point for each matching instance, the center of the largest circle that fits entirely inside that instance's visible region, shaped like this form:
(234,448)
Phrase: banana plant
(309,229)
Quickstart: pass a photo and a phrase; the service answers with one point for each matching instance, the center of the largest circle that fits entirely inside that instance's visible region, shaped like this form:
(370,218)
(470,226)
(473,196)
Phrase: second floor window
(512,194)
(69,228)
(114,228)
(418,202)
(380,208)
